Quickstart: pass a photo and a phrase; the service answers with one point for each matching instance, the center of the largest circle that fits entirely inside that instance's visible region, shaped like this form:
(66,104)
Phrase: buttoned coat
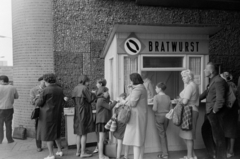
(135,132)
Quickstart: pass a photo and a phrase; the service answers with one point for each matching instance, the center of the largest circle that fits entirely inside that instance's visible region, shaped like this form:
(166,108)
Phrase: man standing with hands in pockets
(212,128)
(34,94)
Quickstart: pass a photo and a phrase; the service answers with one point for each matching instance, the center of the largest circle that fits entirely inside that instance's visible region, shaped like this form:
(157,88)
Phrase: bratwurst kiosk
(158,53)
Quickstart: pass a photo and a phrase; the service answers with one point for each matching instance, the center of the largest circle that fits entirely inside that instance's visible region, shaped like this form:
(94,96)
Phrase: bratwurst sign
(173,46)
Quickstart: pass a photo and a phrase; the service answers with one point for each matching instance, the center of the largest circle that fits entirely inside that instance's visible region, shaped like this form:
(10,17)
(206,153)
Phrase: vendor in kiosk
(158,53)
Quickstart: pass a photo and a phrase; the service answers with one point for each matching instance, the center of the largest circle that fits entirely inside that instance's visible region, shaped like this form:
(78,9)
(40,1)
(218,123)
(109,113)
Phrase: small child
(119,132)
(103,113)
(161,106)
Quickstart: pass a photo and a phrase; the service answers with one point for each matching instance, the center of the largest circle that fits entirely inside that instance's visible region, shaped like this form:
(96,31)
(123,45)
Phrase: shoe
(85,155)
(163,156)
(50,157)
(39,149)
(230,155)
(96,150)
(104,157)
(59,153)
(11,141)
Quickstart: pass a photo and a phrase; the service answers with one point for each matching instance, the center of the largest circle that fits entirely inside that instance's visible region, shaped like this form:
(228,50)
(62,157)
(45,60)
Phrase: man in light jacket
(7,95)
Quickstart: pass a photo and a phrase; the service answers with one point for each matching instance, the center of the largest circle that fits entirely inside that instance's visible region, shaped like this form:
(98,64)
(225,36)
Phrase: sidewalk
(26,149)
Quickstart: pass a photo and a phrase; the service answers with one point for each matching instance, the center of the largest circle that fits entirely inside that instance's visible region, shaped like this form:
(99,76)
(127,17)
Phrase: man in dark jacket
(212,128)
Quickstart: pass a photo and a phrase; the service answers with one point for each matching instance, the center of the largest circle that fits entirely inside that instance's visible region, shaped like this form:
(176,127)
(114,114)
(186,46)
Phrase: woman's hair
(162,86)
(136,78)
(101,90)
(83,79)
(188,73)
(49,77)
(102,81)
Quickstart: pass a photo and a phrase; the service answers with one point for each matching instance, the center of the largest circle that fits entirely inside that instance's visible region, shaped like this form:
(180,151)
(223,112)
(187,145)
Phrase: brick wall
(81,28)
(32,52)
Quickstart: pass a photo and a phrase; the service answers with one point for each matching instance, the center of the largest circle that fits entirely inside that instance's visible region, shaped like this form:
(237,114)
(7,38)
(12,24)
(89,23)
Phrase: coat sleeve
(134,98)
(90,97)
(41,100)
(221,89)
(102,103)
(203,95)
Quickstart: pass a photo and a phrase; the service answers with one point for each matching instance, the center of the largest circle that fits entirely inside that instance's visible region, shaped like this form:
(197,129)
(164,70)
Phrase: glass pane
(156,62)
(130,66)
(172,79)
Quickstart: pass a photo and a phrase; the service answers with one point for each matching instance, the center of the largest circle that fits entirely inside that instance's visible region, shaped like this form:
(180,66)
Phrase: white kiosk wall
(184,51)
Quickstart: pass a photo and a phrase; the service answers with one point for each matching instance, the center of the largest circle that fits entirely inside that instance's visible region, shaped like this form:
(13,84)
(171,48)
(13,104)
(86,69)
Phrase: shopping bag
(35,113)
(169,115)
(108,125)
(20,132)
(177,114)
(187,118)
(113,125)
(111,150)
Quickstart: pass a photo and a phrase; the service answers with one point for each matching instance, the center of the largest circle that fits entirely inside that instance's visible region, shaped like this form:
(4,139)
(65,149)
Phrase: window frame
(164,68)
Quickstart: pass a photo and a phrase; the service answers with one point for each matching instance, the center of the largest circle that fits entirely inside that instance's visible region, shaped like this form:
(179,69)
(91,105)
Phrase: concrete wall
(81,28)
(32,52)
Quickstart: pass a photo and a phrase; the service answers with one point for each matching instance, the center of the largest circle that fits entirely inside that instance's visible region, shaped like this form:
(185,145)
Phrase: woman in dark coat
(49,122)
(83,120)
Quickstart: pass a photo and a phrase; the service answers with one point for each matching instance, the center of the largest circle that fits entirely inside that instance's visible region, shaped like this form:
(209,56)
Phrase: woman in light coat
(135,132)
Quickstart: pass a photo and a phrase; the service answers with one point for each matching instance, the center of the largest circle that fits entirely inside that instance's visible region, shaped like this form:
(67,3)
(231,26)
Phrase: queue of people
(220,122)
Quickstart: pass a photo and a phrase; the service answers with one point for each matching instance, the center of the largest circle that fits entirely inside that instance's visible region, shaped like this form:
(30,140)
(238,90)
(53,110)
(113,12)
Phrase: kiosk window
(163,62)
(172,79)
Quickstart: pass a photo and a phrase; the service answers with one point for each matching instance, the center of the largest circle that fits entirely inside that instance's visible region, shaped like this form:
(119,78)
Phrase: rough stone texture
(83,26)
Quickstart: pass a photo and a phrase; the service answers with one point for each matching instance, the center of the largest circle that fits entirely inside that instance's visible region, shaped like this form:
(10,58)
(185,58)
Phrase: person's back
(7,95)
(163,103)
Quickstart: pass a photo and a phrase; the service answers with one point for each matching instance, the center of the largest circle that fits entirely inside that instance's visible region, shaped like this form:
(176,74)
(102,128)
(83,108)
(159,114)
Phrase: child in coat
(119,132)
(103,113)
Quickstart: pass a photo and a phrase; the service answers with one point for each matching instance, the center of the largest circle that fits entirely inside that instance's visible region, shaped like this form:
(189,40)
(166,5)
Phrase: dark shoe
(39,149)
(11,141)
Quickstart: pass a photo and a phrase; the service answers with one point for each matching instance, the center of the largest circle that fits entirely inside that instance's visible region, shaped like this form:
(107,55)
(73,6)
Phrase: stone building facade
(80,28)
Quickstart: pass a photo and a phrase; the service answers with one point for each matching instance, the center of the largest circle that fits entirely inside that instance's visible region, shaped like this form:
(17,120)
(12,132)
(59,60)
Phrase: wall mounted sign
(132,45)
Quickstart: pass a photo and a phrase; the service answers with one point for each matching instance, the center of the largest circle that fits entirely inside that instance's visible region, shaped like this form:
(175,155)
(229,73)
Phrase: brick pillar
(32,52)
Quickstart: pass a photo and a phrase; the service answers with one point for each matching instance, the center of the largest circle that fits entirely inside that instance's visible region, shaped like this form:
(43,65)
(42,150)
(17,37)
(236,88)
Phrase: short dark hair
(4,79)
(101,90)
(102,81)
(49,77)
(83,79)
(162,86)
(214,66)
(136,78)
(40,78)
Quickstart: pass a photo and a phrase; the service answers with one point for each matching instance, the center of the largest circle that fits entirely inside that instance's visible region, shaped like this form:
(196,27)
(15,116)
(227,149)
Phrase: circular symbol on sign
(132,46)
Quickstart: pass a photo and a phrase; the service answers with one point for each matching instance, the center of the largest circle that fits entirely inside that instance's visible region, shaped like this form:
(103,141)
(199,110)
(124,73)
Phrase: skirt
(100,127)
(119,133)
(191,134)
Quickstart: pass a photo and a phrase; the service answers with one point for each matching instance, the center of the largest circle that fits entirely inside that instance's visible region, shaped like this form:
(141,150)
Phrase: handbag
(177,114)
(124,114)
(35,113)
(111,150)
(187,118)
(169,115)
(20,132)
